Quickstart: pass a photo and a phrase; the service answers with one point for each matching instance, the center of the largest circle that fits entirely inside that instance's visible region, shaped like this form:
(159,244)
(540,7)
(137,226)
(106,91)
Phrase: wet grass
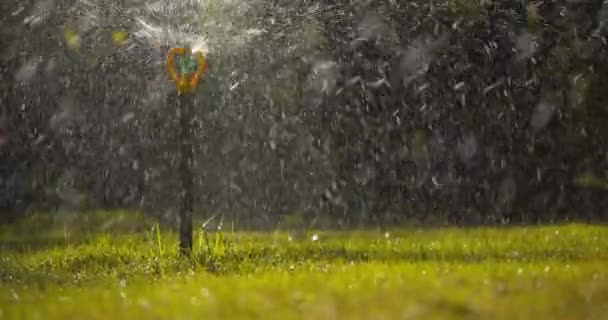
(550,272)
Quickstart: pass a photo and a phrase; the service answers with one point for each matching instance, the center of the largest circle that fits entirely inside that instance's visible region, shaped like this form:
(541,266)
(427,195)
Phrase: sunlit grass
(551,272)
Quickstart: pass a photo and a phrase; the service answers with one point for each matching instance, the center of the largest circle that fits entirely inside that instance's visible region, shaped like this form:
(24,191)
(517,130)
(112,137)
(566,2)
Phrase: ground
(534,272)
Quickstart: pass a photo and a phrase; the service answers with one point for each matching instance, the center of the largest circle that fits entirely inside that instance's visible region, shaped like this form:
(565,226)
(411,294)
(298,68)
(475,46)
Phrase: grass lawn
(550,272)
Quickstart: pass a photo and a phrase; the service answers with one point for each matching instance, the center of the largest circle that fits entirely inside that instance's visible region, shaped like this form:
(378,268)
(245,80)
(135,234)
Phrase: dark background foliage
(330,112)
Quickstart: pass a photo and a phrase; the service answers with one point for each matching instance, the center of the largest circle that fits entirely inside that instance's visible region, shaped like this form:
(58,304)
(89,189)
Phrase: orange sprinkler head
(191,70)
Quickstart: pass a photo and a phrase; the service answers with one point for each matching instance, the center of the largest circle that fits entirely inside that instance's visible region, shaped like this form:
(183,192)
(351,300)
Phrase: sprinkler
(185,69)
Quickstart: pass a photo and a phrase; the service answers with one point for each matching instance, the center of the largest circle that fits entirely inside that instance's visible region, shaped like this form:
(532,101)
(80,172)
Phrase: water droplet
(14,295)
(18,11)
(467,148)
(525,45)
(194,301)
(543,113)
(127,117)
(460,85)
(27,71)
(144,303)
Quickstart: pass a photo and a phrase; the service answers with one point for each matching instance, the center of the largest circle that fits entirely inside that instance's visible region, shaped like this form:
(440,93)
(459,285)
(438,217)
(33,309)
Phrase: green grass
(551,272)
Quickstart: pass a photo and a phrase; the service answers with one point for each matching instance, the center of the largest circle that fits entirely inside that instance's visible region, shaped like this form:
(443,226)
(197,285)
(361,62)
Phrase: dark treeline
(336,112)
(505,120)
